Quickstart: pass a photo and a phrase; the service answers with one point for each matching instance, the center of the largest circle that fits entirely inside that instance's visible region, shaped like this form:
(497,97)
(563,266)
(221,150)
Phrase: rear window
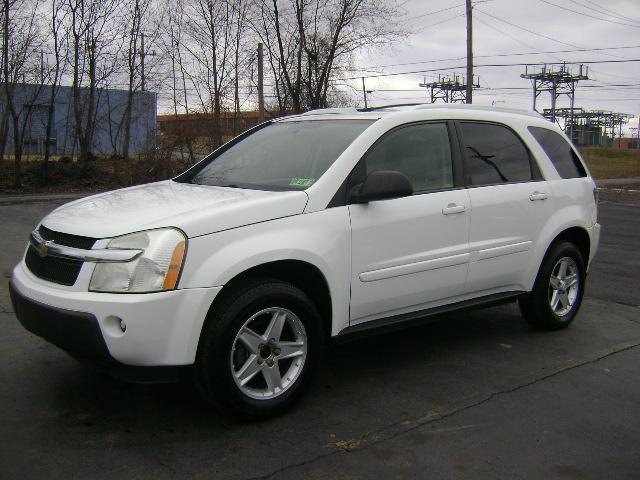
(495,154)
(559,151)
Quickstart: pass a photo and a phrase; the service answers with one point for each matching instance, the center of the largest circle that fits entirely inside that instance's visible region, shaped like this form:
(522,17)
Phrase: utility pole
(42,67)
(260,84)
(364,92)
(142,61)
(143,55)
(469,95)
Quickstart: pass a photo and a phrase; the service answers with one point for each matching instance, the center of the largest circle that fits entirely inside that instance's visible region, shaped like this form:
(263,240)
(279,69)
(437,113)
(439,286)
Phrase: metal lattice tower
(635,136)
(449,88)
(557,79)
(586,127)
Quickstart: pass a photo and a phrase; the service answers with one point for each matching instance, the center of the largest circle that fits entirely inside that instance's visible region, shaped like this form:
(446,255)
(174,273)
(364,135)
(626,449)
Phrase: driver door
(410,253)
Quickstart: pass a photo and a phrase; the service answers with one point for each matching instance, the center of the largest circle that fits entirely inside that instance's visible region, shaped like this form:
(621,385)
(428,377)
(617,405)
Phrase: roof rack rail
(328,111)
(382,107)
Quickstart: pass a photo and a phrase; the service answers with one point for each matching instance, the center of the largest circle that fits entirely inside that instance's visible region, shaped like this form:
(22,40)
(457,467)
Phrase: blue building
(32,103)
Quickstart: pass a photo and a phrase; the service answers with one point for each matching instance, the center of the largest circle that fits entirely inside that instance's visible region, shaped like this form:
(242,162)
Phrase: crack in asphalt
(627,304)
(401,428)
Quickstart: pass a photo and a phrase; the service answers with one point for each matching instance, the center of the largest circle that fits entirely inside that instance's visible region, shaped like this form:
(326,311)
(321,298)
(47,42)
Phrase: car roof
(430,111)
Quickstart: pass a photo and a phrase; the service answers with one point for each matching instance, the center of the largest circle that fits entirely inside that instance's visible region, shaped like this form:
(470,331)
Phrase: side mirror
(381,185)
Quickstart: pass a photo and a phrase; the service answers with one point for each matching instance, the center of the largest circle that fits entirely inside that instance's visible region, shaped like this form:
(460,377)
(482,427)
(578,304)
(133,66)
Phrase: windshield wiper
(230,185)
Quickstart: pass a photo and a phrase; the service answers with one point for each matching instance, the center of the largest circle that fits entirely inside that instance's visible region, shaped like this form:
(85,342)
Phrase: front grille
(58,270)
(60,238)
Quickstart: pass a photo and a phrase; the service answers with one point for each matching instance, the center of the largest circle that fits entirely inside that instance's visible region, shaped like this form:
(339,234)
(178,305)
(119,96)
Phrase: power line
(605,11)
(602,87)
(537,52)
(527,30)
(507,35)
(394,74)
(540,34)
(611,11)
(436,11)
(440,22)
(590,16)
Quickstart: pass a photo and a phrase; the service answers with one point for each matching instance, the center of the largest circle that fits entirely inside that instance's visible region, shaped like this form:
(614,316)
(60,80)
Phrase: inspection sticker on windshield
(302,182)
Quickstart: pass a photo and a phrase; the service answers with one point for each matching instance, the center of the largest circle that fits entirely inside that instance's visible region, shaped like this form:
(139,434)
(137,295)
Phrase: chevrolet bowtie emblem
(43,248)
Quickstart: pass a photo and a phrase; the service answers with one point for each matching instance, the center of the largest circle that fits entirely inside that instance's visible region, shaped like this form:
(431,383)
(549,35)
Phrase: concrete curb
(612,182)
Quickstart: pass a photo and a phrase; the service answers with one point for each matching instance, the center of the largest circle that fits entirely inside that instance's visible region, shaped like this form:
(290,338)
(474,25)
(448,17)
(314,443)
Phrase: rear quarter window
(560,152)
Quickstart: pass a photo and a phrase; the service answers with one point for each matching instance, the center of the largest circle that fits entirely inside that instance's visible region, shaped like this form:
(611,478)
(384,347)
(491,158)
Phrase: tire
(545,309)
(238,365)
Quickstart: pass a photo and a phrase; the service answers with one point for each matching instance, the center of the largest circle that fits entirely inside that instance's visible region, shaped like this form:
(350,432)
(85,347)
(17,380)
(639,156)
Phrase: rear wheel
(557,293)
(258,349)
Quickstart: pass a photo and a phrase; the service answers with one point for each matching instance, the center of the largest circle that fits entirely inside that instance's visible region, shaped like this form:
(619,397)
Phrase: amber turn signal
(173,272)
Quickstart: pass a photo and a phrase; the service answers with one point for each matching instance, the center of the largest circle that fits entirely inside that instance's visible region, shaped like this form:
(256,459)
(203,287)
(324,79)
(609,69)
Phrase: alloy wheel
(268,353)
(564,285)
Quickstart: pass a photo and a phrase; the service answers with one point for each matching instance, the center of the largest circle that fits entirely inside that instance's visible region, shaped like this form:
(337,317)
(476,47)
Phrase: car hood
(195,209)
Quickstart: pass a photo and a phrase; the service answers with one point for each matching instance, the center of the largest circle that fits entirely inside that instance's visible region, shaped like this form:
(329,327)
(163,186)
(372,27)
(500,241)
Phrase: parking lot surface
(473,395)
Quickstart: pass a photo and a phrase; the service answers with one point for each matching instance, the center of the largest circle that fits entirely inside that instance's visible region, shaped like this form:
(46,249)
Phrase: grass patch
(612,162)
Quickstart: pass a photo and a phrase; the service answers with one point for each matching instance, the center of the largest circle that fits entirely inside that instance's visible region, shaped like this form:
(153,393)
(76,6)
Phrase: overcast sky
(442,35)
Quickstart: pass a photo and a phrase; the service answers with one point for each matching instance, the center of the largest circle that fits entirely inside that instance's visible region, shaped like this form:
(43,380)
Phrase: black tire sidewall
(541,295)
(214,361)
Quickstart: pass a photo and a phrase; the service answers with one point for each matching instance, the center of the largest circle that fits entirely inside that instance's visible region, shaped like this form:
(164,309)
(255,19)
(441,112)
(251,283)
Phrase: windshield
(288,155)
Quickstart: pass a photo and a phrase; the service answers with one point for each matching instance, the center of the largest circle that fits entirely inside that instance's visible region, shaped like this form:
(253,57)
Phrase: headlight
(156,269)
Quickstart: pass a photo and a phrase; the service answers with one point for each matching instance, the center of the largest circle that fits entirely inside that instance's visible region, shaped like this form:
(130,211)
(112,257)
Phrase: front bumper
(79,334)
(162,329)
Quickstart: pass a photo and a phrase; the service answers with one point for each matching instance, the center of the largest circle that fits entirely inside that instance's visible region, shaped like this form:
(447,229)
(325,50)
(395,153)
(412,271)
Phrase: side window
(494,154)
(422,152)
(560,153)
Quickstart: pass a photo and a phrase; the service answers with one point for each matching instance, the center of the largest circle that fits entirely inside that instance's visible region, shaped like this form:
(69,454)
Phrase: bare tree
(55,75)
(171,47)
(136,13)
(19,44)
(316,39)
(90,38)
(239,56)
(210,27)
(4,114)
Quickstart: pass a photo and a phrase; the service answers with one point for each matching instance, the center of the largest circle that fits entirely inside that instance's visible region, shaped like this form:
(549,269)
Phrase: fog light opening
(114,326)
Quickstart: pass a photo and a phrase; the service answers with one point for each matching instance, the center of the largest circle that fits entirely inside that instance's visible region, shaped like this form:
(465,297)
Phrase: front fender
(320,238)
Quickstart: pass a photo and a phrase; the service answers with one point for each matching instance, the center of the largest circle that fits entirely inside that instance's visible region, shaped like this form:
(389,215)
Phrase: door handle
(453,208)
(538,196)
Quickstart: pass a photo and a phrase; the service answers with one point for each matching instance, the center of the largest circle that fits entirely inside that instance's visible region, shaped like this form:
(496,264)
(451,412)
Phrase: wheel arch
(304,275)
(576,235)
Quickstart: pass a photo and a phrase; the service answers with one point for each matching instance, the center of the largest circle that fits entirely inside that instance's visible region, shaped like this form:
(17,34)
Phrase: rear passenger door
(510,204)
(573,188)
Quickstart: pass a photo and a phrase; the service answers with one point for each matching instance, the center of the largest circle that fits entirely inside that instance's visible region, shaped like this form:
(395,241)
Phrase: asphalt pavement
(474,395)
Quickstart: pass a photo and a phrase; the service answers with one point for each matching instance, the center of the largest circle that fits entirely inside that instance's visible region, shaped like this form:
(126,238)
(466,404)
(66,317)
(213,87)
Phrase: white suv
(309,228)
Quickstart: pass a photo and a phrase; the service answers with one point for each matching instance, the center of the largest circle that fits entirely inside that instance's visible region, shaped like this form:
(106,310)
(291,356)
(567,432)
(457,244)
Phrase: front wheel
(557,293)
(258,349)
